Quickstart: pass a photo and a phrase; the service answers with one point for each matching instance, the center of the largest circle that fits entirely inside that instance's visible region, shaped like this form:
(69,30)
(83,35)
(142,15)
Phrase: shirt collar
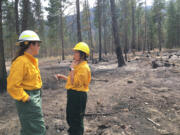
(32,58)
(82,63)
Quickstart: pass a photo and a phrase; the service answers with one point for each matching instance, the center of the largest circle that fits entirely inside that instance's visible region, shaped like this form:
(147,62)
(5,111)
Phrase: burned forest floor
(140,98)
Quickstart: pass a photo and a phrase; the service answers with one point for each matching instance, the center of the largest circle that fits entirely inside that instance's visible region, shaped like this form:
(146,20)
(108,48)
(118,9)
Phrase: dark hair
(83,56)
(22,49)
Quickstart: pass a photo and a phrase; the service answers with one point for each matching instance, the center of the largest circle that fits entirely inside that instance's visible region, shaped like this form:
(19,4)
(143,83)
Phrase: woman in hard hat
(77,87)
(24,84)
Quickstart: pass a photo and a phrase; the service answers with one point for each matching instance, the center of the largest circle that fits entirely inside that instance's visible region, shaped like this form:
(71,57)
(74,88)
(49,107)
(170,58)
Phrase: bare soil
(137,99)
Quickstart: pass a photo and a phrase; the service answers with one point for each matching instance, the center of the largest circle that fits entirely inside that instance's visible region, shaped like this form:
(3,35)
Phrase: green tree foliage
(139,27)
(53,24)
(177,23)
(171,25)
(139,14)
(27,16)
(9,30)
(106,23)
(158,10)
(151,33)
(85,21)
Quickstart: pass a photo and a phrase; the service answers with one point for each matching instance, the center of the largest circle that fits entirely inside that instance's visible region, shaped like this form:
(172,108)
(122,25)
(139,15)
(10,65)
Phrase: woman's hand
(73,64)
(60,76)
(29,98)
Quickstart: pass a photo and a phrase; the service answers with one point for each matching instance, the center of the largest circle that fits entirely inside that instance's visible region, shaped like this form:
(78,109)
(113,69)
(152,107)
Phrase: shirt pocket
(33,74)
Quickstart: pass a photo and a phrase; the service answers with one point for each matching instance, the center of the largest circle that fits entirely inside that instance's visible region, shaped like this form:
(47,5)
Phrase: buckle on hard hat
(26,42)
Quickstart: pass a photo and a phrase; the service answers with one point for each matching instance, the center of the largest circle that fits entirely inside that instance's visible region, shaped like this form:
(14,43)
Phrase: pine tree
(133,42)
(26,8)
(78,21)
(177,23)
(115,34)
(145,27)
(38,13)
(99,6)
(85,21)
(27,15)
(151,30)
(106,25)
(62,28)
(53,25)
(87,29)
(139,14)
(10,30)
(171,28)
(125,25)
(17,16)
(3,74)
(158,7)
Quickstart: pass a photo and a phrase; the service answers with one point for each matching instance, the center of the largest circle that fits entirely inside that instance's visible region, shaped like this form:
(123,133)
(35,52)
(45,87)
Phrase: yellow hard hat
(82,46)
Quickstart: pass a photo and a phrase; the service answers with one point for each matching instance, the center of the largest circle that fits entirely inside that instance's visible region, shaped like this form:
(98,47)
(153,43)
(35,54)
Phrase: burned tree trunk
(125,16)
(159,35)
(120,57)
(145,29)
(3,74)
(133,42)
(99,25)
(90,31)
(62,30)
(25,14)
(17,16)
(78,21)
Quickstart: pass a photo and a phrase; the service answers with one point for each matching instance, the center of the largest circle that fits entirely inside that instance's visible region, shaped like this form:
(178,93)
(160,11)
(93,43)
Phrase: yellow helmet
(82,46)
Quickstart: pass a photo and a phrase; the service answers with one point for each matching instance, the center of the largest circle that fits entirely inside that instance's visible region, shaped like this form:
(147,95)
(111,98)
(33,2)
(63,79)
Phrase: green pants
(30,115)
(75,110)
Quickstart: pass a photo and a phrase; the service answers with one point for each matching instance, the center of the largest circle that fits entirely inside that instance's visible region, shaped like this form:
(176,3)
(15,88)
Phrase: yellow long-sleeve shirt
(24,75)
(82,78)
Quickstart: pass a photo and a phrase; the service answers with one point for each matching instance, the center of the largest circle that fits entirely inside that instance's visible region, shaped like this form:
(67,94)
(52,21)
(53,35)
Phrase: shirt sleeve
(81,78)
(14,81)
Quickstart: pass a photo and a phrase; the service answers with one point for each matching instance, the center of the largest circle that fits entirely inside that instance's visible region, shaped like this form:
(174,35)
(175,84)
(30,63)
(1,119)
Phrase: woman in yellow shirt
(77,87)
(24,84)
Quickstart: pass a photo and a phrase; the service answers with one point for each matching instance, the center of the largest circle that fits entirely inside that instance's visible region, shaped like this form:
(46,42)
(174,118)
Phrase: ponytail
(21,50)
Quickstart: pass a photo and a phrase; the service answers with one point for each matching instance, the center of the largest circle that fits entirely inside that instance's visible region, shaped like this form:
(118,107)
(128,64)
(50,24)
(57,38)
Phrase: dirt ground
(141,98)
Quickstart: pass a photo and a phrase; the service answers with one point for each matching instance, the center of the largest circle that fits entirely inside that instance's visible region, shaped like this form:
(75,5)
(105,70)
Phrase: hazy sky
(91,2)
(71,9)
